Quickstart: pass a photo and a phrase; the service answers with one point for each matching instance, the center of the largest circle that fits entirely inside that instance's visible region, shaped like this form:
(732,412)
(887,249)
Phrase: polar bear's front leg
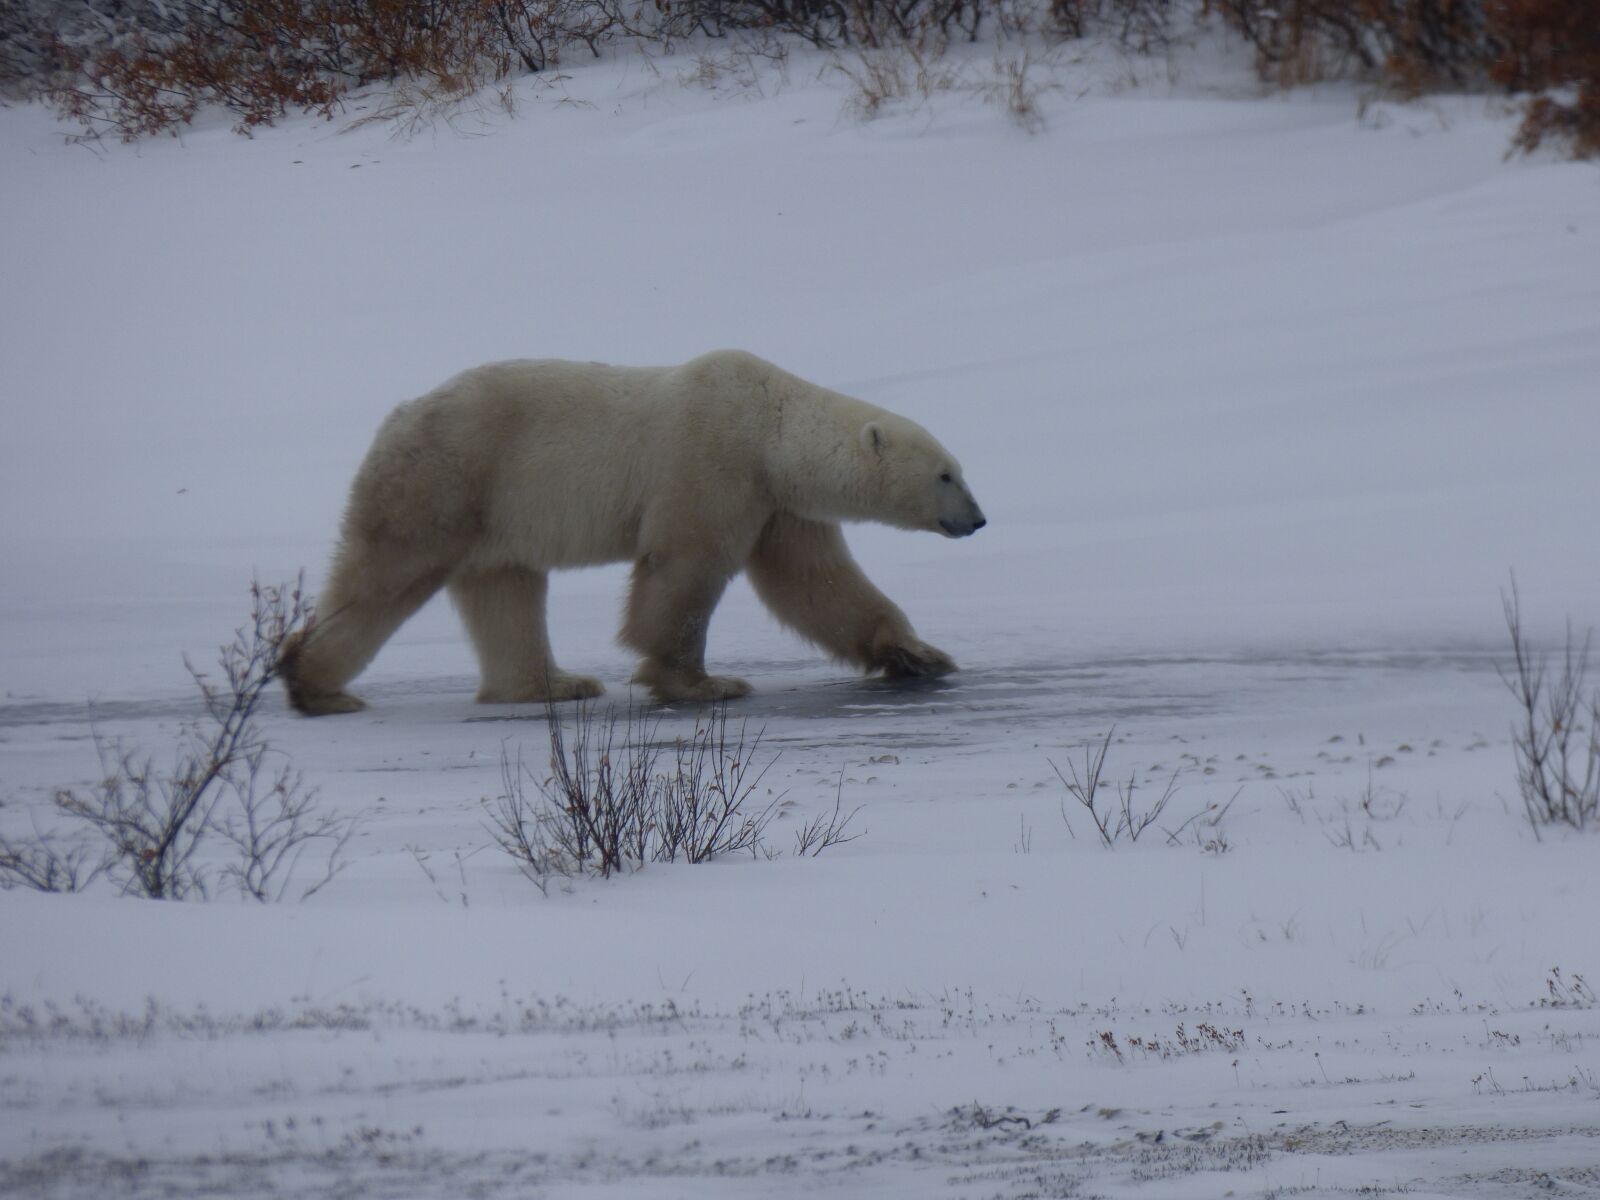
(805,574)
(670,601)
(900,654)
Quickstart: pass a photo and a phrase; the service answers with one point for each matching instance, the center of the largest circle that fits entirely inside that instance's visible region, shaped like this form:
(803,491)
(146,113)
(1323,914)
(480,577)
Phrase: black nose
(979,524)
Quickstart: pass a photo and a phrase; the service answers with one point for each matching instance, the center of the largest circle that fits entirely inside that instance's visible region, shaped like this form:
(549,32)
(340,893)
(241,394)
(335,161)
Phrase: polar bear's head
(918,483)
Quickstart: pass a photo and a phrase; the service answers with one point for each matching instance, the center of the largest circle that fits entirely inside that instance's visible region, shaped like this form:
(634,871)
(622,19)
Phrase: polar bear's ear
(873,437)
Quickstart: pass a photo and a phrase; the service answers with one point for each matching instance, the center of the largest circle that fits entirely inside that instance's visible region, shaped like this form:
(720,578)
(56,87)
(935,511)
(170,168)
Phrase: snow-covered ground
(1264,398)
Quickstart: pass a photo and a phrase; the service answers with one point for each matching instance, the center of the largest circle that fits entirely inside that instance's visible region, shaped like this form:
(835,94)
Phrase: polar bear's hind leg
(504,612)
(368,597)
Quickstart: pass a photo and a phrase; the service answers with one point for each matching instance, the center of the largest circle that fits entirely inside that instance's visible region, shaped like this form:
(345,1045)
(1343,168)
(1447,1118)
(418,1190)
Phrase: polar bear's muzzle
(957,529)
(964,524)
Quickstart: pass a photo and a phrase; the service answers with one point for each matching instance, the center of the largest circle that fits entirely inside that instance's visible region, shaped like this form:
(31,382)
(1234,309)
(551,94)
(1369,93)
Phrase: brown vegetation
(157,64)
(1547,50)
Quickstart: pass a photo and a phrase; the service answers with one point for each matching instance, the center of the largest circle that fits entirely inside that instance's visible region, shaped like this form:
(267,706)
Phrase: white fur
(693,472)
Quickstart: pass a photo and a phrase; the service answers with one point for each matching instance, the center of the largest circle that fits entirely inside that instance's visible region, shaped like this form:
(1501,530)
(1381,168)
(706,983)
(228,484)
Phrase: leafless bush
(272,825)
(1552,53)
(605,820)
(910,74)
(826,829)
(876,81)
(47,862)
(1305,40)
(136,67)
(702,810)
(1556,737)
(260,59)
(1207,826)
(1350,824)
(523,829)
(881,79)
(1140,25)
(742,68)
(615,797)
(1015,86)
(151,824)
(1112,819)
(1546,50)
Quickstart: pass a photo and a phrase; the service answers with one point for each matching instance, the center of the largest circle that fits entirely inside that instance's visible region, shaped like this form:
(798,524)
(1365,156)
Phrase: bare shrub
(523,829)
(1551,50)
(909,73)
(137,67)
(1112,817)
(1207,825)
(1139,25)
(1015,87)
(912,73)
(741,69)
(1556,737)
(272,825)
(603,821)
(826,829)
(831,23)
(615,797)
(260,59)
(47,862)
(38,36)
(1547,50)
(152,823)
(1419,41)
(702,813)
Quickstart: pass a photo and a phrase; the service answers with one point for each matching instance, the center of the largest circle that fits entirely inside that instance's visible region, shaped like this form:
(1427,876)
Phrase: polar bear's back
(542,460)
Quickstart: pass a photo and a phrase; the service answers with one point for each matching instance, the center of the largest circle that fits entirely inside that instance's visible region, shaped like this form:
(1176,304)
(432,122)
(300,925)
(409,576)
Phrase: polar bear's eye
(944,477)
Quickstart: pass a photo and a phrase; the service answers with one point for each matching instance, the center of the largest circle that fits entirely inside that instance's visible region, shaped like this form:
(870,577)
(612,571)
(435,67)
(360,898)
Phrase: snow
(1264,398)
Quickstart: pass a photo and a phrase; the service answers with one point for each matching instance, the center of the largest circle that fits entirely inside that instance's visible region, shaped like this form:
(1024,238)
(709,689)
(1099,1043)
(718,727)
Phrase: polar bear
(692,472)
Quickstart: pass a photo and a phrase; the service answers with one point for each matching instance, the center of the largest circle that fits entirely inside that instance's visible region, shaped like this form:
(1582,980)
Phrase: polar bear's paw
(913,659)
(325,704)
(557,686)
(668,685)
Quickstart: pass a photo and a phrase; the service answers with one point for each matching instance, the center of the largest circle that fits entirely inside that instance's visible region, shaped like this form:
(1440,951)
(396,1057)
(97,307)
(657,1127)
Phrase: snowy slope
(1263,400)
